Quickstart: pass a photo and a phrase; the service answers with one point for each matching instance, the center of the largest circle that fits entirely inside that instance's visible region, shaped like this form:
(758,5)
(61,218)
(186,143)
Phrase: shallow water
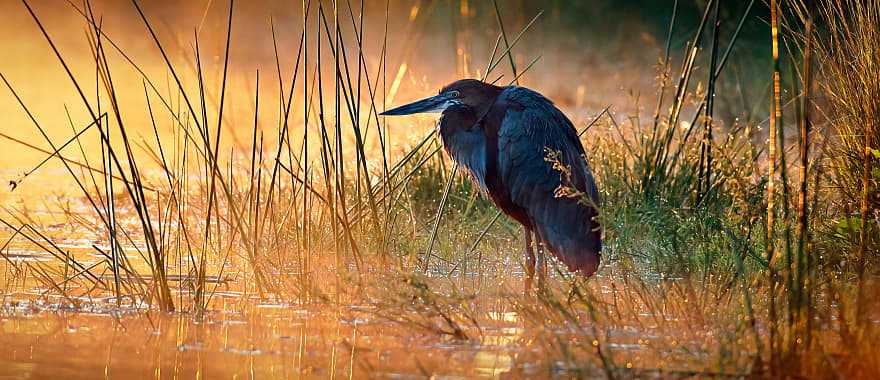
(264,340)
(273,341)
(86,335)
(243,337)
(390,328)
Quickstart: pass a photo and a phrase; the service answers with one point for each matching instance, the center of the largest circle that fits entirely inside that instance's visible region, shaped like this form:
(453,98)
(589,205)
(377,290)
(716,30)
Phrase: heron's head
(470,92)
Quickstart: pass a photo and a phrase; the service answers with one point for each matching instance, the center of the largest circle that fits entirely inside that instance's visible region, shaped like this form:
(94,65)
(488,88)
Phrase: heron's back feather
(531,127)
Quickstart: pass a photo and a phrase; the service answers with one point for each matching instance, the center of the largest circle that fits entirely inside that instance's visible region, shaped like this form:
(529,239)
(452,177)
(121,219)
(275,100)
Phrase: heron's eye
(454,94)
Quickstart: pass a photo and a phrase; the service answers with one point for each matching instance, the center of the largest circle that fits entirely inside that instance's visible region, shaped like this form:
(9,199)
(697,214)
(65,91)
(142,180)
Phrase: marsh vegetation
(181,216)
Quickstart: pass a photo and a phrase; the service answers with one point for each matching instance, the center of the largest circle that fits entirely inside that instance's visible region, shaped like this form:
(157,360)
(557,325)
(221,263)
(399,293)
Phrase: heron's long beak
(433,104)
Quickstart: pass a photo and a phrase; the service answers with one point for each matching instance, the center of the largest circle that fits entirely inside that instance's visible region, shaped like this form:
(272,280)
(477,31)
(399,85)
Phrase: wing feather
(531,128)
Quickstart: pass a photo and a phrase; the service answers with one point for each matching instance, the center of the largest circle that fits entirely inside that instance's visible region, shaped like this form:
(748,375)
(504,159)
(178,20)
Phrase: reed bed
(719,261)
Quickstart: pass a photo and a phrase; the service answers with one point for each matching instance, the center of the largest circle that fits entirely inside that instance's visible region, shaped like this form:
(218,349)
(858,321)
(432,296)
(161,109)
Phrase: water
(259,341)
(473,325)
(244,337)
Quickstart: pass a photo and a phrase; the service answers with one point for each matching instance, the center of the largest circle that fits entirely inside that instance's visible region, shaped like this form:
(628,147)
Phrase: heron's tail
(575,240)
(581,254)
(585,262)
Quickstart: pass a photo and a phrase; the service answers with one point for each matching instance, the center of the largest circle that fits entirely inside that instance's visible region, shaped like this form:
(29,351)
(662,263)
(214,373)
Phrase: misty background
(590,55)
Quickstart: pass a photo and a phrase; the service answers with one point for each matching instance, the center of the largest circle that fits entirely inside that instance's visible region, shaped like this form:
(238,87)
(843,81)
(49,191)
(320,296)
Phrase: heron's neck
(493,92)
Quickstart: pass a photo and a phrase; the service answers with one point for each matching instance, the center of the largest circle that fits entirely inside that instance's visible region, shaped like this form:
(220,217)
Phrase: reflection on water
(85,334)
(492,363)
(258,342)
(242,337)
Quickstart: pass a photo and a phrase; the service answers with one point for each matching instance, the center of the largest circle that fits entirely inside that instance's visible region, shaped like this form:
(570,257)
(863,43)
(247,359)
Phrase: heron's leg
(542,263)
(530,259)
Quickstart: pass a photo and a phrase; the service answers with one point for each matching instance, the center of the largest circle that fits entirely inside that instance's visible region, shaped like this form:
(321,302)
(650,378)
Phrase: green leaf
(847,227)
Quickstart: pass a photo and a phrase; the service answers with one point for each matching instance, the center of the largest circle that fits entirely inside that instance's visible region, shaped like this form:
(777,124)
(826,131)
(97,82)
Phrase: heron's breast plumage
(465,142)
(468,149)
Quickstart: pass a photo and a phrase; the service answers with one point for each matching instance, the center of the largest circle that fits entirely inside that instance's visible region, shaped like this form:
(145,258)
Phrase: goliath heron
(502,136)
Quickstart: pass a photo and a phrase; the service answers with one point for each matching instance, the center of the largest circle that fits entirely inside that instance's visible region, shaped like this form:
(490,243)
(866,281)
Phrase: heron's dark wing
(532,127)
